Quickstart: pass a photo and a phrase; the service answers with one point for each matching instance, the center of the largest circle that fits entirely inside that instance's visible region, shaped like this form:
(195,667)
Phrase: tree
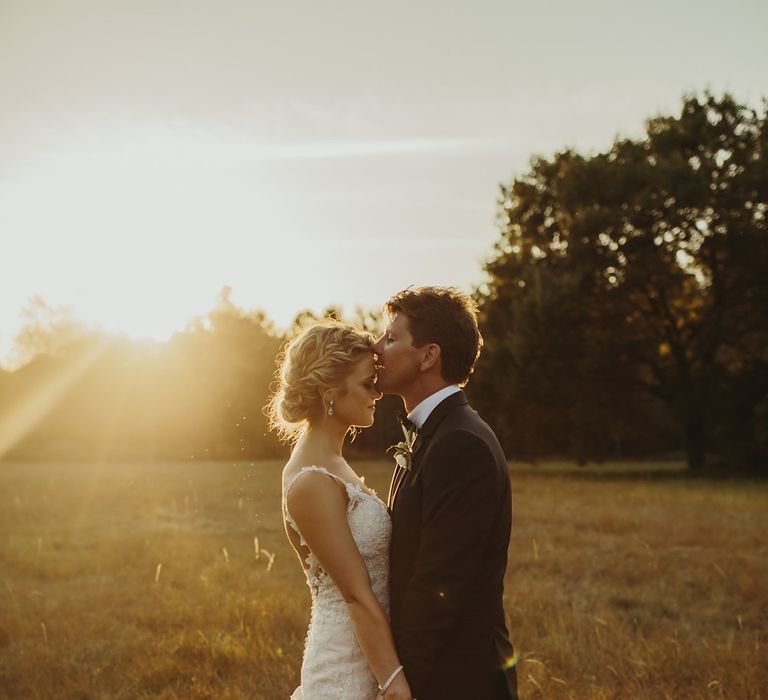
(47,330)
(227,364)
(631,283)
(200,395)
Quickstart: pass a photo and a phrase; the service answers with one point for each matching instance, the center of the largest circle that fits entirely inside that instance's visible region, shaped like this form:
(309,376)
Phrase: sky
(310,153)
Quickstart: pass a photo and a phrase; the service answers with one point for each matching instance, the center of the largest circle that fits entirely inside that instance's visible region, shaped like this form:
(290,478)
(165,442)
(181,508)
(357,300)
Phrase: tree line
(624,313)
(626,308)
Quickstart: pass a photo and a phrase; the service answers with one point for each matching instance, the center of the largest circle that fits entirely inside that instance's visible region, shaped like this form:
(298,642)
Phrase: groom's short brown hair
(444,316)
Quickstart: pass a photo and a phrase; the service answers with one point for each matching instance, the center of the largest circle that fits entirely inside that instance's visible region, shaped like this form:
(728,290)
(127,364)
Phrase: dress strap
(306,470)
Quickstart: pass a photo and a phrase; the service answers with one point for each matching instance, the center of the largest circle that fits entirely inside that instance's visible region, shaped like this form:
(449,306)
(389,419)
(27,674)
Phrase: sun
(138,234)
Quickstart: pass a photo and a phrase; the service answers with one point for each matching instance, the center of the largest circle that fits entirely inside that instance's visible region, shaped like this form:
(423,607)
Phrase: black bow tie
(409,425)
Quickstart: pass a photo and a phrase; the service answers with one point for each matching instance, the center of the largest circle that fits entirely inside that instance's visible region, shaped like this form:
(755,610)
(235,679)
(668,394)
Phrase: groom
(450,506)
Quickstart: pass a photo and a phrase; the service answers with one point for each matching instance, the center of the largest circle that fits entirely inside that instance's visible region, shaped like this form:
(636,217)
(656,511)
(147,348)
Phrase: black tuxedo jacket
(451,517)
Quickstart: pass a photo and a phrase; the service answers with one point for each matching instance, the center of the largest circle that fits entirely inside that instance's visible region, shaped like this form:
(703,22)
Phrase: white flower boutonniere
(404,449)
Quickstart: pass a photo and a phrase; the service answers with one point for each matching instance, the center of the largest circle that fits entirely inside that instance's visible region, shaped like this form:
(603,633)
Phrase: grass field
(143,581)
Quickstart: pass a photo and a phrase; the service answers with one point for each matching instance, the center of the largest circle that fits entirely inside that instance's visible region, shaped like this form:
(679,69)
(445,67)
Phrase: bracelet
(388,682)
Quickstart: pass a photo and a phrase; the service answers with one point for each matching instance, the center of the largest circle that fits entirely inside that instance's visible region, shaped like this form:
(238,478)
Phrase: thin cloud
(364,149)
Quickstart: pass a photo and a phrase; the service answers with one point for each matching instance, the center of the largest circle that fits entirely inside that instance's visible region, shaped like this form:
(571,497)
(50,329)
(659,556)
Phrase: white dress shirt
(418,416)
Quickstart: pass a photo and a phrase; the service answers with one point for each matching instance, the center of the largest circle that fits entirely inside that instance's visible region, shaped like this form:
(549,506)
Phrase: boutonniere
(404,449)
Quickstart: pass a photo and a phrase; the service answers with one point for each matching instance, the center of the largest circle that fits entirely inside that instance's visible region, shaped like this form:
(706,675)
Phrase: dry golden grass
(142,581)
(622,588)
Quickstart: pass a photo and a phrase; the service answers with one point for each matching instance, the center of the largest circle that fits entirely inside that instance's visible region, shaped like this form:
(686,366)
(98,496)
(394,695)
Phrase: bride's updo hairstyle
(319,358)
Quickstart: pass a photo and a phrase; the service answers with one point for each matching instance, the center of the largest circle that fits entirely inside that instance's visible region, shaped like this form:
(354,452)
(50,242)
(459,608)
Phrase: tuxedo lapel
(419,449)
(394,484)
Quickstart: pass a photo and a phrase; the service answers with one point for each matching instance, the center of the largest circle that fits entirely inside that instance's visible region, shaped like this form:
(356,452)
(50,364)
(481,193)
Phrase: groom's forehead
(398,320)
(399,325)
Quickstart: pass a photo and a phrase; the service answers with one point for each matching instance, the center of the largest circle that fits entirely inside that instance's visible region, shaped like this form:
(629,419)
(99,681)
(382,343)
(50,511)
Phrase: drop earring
(330,408)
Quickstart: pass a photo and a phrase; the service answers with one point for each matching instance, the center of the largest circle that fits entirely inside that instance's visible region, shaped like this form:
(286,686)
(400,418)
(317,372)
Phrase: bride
(338,526)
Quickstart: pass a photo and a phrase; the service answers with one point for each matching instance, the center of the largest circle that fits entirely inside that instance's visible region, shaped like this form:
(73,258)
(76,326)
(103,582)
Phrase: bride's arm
(319,508)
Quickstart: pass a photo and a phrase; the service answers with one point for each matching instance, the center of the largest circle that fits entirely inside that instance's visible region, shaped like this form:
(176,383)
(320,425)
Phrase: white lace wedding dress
(334,667)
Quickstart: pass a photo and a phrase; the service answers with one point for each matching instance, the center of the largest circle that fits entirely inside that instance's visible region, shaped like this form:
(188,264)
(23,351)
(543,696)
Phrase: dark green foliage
(627,305)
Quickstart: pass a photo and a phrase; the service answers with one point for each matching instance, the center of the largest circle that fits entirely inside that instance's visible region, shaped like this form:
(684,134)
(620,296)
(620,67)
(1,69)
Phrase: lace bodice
(334,666)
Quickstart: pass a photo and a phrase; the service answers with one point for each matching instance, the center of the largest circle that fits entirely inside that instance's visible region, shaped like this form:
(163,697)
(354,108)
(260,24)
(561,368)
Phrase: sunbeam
(23,416)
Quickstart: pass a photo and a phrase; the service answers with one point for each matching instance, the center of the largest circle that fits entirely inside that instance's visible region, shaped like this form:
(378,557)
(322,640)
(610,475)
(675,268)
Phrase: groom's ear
(430,356)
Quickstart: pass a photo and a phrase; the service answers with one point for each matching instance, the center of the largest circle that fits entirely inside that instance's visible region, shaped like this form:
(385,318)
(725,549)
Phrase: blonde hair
(319,358)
